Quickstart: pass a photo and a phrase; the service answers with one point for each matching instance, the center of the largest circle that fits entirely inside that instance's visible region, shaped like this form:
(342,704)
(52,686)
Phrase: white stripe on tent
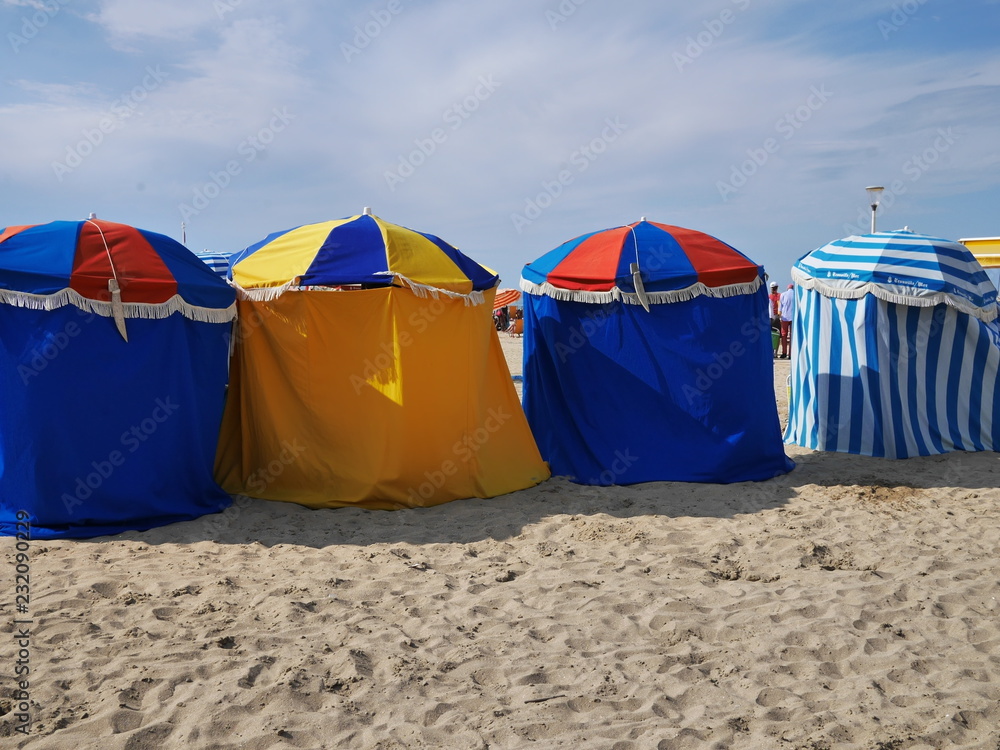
(824,424)
(989,386)
(965,379)
(809,395)
(885,384)
(835,314)
(907,352)
(925,328)
(865,406)
(940,385)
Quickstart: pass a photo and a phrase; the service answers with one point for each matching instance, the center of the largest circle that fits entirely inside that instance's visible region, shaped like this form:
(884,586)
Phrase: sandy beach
(849,604)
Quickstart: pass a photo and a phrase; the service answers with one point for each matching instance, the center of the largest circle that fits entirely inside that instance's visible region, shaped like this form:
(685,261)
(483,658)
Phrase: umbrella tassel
(117,309)
(640,290)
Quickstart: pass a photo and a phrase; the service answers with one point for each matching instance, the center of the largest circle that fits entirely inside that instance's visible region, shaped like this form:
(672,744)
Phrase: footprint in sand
(106,589)
(130,713)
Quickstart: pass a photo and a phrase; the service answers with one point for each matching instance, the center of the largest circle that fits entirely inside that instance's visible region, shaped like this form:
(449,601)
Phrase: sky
(505,128)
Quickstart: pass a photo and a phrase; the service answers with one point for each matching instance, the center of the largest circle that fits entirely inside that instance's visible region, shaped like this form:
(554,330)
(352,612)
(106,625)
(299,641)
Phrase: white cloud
(169,19)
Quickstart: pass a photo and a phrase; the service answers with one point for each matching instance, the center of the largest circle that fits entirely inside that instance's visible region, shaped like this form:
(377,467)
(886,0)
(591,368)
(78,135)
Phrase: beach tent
(895,348)
(113,355)
(647,356)
(367,372)
(218,262)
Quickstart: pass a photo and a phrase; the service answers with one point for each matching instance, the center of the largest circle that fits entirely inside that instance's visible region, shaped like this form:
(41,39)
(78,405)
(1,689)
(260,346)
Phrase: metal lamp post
(874,193)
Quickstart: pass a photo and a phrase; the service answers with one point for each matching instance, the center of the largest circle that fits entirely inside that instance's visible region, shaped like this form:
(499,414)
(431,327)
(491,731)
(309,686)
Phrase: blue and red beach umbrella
(114,270)
(642,261)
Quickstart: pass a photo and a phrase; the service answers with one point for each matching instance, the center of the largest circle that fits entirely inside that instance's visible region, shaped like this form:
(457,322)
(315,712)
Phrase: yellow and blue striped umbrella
(359,250)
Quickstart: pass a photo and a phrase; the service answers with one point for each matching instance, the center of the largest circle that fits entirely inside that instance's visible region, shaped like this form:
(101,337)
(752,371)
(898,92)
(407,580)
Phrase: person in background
(786,308)
(773,300)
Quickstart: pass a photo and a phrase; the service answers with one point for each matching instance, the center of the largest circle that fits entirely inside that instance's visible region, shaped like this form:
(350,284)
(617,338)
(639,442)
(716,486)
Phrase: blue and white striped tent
(218,262)
(895,348)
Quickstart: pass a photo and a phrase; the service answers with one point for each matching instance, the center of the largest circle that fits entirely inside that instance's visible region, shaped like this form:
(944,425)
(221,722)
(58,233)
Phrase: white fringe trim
(986,315)
(630,298)
(146,310)
(423,290)
(269,293)
(262,293)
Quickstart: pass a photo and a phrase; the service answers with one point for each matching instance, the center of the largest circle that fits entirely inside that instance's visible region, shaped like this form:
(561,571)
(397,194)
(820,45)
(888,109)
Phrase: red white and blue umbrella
(114,270)
(642,263)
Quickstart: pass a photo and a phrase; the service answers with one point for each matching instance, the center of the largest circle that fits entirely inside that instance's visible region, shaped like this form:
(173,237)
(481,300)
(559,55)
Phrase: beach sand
(849,604)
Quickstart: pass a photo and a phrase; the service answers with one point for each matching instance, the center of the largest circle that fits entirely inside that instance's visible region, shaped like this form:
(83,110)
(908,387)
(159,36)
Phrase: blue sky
(505,128)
